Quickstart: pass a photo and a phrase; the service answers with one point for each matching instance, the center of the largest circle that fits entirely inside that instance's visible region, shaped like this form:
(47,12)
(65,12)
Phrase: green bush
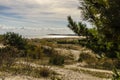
(116,75)
(14,39)
(34,52)
(57,59)
(1,38)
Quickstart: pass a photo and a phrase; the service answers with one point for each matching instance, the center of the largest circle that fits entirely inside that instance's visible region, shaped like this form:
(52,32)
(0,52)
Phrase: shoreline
(56,37)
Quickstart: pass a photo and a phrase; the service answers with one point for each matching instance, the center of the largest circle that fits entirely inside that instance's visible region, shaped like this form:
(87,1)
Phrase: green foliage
(14,39)
(57,59)
(80,28)
(25,50)
(116,75)
(7,56)
(1,38)
(93,39)
(105,15)
(34,52)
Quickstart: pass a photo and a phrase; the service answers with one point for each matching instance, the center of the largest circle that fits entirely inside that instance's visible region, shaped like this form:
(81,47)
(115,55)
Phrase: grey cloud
(42,10)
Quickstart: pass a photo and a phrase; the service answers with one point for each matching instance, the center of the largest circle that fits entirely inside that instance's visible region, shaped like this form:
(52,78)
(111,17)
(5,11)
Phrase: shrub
(35,52)
(45,71)
(14,39)
(88,58)
(117,64)
(1,38)
(48,51)
(116,75)
(7,56)
(57,59)
(107,64)
(39,52)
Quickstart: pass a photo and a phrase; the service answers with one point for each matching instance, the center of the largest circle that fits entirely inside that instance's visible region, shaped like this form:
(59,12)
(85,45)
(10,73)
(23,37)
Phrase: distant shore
(62,36)
(37,36)
(58,36)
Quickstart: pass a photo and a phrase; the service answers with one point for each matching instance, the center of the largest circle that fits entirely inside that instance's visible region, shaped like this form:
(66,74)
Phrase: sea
(39,32)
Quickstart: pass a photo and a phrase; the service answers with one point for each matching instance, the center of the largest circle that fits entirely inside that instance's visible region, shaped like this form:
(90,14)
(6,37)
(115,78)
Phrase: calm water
(30,32)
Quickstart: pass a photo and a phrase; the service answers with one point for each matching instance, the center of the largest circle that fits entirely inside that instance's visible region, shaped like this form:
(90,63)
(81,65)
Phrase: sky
(37,13)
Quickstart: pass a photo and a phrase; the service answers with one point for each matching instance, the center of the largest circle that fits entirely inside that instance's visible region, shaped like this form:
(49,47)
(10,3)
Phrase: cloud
(4,7)
(32,32)
(39,12)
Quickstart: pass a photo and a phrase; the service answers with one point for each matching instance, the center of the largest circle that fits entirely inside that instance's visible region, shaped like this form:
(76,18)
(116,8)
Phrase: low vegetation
(7,56)
(97,74)
(45,72)
(57,59)
(90,59)
(14,39)
(44,52)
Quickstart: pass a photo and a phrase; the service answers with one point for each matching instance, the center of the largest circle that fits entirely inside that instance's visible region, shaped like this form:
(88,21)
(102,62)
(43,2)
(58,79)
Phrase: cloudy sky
(37,13)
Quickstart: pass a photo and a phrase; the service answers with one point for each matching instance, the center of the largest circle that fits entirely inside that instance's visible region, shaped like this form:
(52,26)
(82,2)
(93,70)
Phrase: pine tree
(105,15)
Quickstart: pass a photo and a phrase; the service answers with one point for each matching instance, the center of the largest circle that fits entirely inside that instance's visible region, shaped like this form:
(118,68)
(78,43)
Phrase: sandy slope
(65,73)
(1,46)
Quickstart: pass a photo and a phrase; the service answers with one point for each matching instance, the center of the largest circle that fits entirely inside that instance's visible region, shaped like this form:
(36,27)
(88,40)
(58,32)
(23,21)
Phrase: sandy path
(67,74)
(89,69)
(20,77)
(2,46)
(68,52)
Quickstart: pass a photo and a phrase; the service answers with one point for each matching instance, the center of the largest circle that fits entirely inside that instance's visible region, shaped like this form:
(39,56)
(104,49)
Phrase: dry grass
(94,73)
